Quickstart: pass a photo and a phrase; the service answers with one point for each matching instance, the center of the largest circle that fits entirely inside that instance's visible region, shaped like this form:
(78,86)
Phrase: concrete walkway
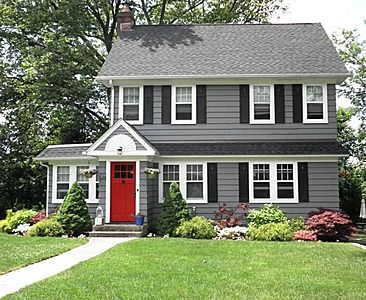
(18,279)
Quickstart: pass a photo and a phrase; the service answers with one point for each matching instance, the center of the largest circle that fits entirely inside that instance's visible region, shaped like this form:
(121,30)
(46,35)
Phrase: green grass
(19,251)
(189,269)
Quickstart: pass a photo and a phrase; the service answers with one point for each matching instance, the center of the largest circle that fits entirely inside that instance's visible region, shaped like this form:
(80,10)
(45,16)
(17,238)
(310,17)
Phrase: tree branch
(186,11)
(146,13)
(162,12)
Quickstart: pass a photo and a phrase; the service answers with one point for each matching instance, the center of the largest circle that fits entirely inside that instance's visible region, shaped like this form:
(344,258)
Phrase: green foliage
(4,224)
(21,217)
(197,228)
(271,232)
(267,214)
(297,224)
(73,214)
(174,211)
(46,227)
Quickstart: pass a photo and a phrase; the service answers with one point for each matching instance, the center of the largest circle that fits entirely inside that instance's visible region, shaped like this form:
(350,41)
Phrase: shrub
(231,233)
(329,225)
(73,214)
(41,215)
(4,224)
(267,214)
(297,224)
(197,228)
(47,227)
(230,217)
(305,235)
(21,217)
(174,211)
(271,232)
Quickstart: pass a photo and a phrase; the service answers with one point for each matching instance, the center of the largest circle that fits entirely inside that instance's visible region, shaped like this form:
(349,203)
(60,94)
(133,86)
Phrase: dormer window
(131,101)
(261,104)
(184,105)
(315,106)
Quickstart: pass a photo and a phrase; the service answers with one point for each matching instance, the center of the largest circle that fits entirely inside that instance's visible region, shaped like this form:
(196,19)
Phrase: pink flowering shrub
(305,235)
(329,225)
(230,217)
(41,215)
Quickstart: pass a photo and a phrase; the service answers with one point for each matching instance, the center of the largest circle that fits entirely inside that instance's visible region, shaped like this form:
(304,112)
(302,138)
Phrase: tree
(174,211)
(73,214)
(50,53)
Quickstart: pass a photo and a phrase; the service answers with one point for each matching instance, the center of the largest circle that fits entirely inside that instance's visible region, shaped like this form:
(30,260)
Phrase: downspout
(47,191)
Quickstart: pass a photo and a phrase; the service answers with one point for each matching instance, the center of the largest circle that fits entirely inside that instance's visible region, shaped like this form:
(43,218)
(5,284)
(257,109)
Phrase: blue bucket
(140,220)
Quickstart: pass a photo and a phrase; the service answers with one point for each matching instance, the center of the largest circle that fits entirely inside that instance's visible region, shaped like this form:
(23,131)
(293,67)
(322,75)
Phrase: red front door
(123,191)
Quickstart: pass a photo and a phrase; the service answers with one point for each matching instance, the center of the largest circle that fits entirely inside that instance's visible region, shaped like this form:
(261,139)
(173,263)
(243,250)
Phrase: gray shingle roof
(63,151)
(183,50)
(266,148)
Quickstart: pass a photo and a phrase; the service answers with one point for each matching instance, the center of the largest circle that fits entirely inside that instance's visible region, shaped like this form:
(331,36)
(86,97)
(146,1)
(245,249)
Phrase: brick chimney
(125,20)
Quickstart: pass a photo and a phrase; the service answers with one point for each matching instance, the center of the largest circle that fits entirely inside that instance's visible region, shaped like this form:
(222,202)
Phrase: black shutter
(297,103)
(303,180)
(166,100)
(201,103)
(212,182)
(244,103)
(243,182)
(280,103)
(148,104)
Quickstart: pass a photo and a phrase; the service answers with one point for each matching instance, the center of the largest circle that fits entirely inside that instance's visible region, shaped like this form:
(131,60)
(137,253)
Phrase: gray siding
(120,130)
(323,191)
(223,121)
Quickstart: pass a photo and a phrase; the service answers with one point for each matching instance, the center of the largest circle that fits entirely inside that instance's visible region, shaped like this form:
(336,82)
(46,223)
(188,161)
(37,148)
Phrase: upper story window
(131,104)
(184,105)
(315,107)
(261,104)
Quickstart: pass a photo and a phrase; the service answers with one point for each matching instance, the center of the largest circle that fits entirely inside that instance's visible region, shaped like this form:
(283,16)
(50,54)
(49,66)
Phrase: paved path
(14,281)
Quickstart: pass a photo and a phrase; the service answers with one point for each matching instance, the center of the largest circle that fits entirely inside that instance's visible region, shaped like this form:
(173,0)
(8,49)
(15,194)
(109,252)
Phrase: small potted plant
(89,173)
(139,219)
(151,172)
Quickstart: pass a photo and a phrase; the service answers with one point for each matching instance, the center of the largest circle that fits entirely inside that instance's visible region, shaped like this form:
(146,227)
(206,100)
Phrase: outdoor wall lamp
(119,150)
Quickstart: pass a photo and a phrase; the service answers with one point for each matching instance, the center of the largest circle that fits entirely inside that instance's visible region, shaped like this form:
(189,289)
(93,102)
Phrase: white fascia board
(68,145)
(79,158)
(115,154)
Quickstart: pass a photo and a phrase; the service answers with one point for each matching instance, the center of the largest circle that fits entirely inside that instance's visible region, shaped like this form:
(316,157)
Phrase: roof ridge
(227,24)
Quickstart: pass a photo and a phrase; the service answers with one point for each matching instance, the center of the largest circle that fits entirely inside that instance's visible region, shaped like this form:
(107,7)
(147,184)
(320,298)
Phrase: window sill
(277,201)
(315,121)
(255,122)
(134,122)
(183,122)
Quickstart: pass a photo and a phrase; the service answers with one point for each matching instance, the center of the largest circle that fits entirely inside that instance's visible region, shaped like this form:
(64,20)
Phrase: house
(233,113)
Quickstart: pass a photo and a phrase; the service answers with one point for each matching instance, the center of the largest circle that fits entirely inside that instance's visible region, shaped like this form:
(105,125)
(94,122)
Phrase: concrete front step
(115,234)
(118,227)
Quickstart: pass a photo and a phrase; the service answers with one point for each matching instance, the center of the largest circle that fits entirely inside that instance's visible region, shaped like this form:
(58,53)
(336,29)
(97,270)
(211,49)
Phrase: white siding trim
(137,190)
(112,106)
(108,191)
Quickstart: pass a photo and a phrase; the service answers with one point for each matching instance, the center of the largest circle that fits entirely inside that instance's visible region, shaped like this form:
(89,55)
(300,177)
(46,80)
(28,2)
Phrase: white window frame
(273,183)
(305,106)
(174,106)
(72,179)
(97,181)
(263,180)
(286,181)
(83,182)
(61,182)
(166,181)
(140,121)
(194,200)
(183,180)
(271,106)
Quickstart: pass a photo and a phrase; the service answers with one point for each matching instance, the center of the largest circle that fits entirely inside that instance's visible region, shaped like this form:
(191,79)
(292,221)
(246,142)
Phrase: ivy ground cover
(19,251)
(206,269)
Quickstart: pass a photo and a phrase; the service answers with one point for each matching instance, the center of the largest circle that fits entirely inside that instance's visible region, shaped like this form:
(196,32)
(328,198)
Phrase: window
(184,105)
(170,174)
(261,181)
(273,182)
(261,104)
(97,183)
(131,105)
(285,181)
(63,178)
(315,104)
(83,180)
(194,182)
(191,177)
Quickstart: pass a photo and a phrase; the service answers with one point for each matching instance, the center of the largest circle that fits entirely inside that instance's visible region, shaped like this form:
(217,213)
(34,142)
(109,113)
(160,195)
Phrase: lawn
(189,269)
(19,251)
